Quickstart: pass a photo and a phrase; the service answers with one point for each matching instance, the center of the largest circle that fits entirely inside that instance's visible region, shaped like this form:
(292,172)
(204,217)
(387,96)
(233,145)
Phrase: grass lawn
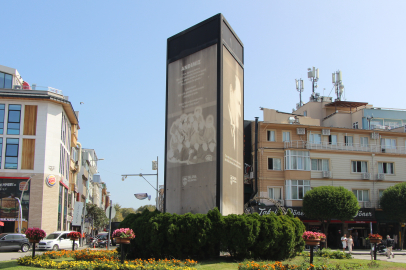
(229,264)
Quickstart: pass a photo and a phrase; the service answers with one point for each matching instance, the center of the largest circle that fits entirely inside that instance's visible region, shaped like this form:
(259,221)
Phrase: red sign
(51,180)
(22,185)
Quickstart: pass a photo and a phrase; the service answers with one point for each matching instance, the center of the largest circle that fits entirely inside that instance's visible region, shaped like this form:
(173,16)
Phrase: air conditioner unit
(380,176)
(301,131)
(325,132)
(366,176)
(374,136)
(281,202)
(367,204)
(326,174)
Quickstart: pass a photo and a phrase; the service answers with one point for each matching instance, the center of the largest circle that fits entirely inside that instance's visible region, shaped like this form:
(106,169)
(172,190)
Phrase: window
(315,138)
(320,165)
(60,207)
(363,141)
(388,143)
(359,166)
(385,167)
(286,136)
(274,164)
(275,193)
(270,135)
(355,125)
(362,195)
(332,139)
(11,154)
(297,160)
(348,140)
(296,189)
(6,80)
(2,107)
(14,116)
(304,113)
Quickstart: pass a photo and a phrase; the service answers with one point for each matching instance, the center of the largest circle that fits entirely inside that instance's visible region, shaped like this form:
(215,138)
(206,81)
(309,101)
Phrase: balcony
(401,150)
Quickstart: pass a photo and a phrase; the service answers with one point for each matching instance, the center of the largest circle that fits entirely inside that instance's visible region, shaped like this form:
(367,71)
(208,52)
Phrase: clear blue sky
(111,55)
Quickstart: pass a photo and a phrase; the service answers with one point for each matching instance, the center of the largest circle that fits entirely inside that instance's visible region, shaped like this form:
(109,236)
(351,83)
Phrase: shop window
(359,166)
(11,160)
(386,167)
(14,118)
(274,164)
(296,189)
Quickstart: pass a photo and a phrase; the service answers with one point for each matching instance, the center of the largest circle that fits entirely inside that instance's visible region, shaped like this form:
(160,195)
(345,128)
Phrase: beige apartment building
(349,144)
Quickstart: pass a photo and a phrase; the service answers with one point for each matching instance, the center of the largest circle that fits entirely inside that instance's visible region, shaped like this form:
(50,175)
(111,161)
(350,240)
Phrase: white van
(56,241)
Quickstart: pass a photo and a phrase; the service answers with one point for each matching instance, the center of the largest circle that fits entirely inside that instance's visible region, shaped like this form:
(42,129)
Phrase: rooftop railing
(401,150)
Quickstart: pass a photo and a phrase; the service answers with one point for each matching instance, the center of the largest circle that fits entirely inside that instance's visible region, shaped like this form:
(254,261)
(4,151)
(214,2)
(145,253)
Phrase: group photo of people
(192,138)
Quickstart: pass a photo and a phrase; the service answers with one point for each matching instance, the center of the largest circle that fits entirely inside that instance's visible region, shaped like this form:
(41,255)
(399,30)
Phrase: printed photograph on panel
(232,175)
(192,109)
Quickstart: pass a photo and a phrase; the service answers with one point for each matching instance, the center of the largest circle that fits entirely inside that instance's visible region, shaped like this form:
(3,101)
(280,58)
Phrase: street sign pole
(109,236)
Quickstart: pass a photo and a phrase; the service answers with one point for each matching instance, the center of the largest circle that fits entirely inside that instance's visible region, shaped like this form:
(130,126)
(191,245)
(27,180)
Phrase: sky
(111,56)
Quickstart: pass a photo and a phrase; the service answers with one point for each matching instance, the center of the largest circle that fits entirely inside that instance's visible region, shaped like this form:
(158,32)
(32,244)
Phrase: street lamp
(155,168)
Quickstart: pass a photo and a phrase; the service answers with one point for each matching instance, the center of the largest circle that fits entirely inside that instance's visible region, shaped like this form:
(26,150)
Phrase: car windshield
(2,235)
(52,236)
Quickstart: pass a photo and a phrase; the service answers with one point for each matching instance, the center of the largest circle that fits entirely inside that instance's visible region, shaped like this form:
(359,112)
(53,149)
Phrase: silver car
(56,241)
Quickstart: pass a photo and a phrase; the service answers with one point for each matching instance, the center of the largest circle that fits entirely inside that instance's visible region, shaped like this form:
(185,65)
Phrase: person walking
(389,245)
(350,243)
(344,241)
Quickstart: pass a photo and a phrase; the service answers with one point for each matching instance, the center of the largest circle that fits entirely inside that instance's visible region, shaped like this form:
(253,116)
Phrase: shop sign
(365,214)
(51,180)
(265,210)
(22,185)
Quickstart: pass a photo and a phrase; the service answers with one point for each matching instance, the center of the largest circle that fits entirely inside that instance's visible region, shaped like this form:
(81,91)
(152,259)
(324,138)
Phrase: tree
(327,202)
(119,216)
(150,207)
(97,215)
(393,203)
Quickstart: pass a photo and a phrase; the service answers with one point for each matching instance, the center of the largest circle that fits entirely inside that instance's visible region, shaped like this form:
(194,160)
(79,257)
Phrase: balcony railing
(346,147)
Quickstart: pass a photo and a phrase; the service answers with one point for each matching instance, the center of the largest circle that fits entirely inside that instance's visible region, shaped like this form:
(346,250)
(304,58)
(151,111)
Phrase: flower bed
(101,260)
(305,266)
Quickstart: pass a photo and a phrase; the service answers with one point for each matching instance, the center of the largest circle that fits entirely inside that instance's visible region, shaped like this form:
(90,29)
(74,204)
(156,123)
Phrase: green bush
(198,236)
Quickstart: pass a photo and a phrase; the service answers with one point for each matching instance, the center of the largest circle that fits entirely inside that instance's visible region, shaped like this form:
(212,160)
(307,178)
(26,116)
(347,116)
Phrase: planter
(312,242)
(323,240)
(74,238)
(120,240)
(33,240)
(375,240)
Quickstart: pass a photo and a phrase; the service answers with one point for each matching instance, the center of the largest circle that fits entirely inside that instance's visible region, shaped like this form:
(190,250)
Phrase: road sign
(113,212)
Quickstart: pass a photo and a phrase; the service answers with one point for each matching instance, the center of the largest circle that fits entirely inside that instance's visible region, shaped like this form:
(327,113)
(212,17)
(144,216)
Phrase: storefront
(12,190)
(359,227)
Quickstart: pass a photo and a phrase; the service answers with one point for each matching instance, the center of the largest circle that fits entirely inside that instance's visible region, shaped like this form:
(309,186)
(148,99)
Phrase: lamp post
(155,168)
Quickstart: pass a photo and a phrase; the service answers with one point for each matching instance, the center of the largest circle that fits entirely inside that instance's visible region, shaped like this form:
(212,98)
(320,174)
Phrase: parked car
(14,241)
(103,236)
(56,241)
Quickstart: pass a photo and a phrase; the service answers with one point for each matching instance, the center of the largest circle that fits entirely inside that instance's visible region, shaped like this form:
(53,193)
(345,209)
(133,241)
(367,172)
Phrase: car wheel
(55,248)
(25,247)
(76,246)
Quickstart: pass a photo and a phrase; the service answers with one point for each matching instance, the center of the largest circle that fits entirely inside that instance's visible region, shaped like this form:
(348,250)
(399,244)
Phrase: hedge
(203,236)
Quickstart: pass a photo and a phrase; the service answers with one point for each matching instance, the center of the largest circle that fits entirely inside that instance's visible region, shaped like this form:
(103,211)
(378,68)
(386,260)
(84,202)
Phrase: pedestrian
(350,243)
(389,245)
(344,241)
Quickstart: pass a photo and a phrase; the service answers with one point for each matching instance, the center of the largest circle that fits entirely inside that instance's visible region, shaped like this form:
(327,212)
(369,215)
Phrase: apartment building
(340,143)
(38,128)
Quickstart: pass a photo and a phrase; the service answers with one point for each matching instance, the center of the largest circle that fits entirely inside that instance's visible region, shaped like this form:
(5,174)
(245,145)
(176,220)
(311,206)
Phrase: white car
(56,241)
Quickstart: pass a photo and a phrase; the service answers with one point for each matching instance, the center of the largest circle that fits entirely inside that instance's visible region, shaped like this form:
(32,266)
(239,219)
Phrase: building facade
(331,143)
